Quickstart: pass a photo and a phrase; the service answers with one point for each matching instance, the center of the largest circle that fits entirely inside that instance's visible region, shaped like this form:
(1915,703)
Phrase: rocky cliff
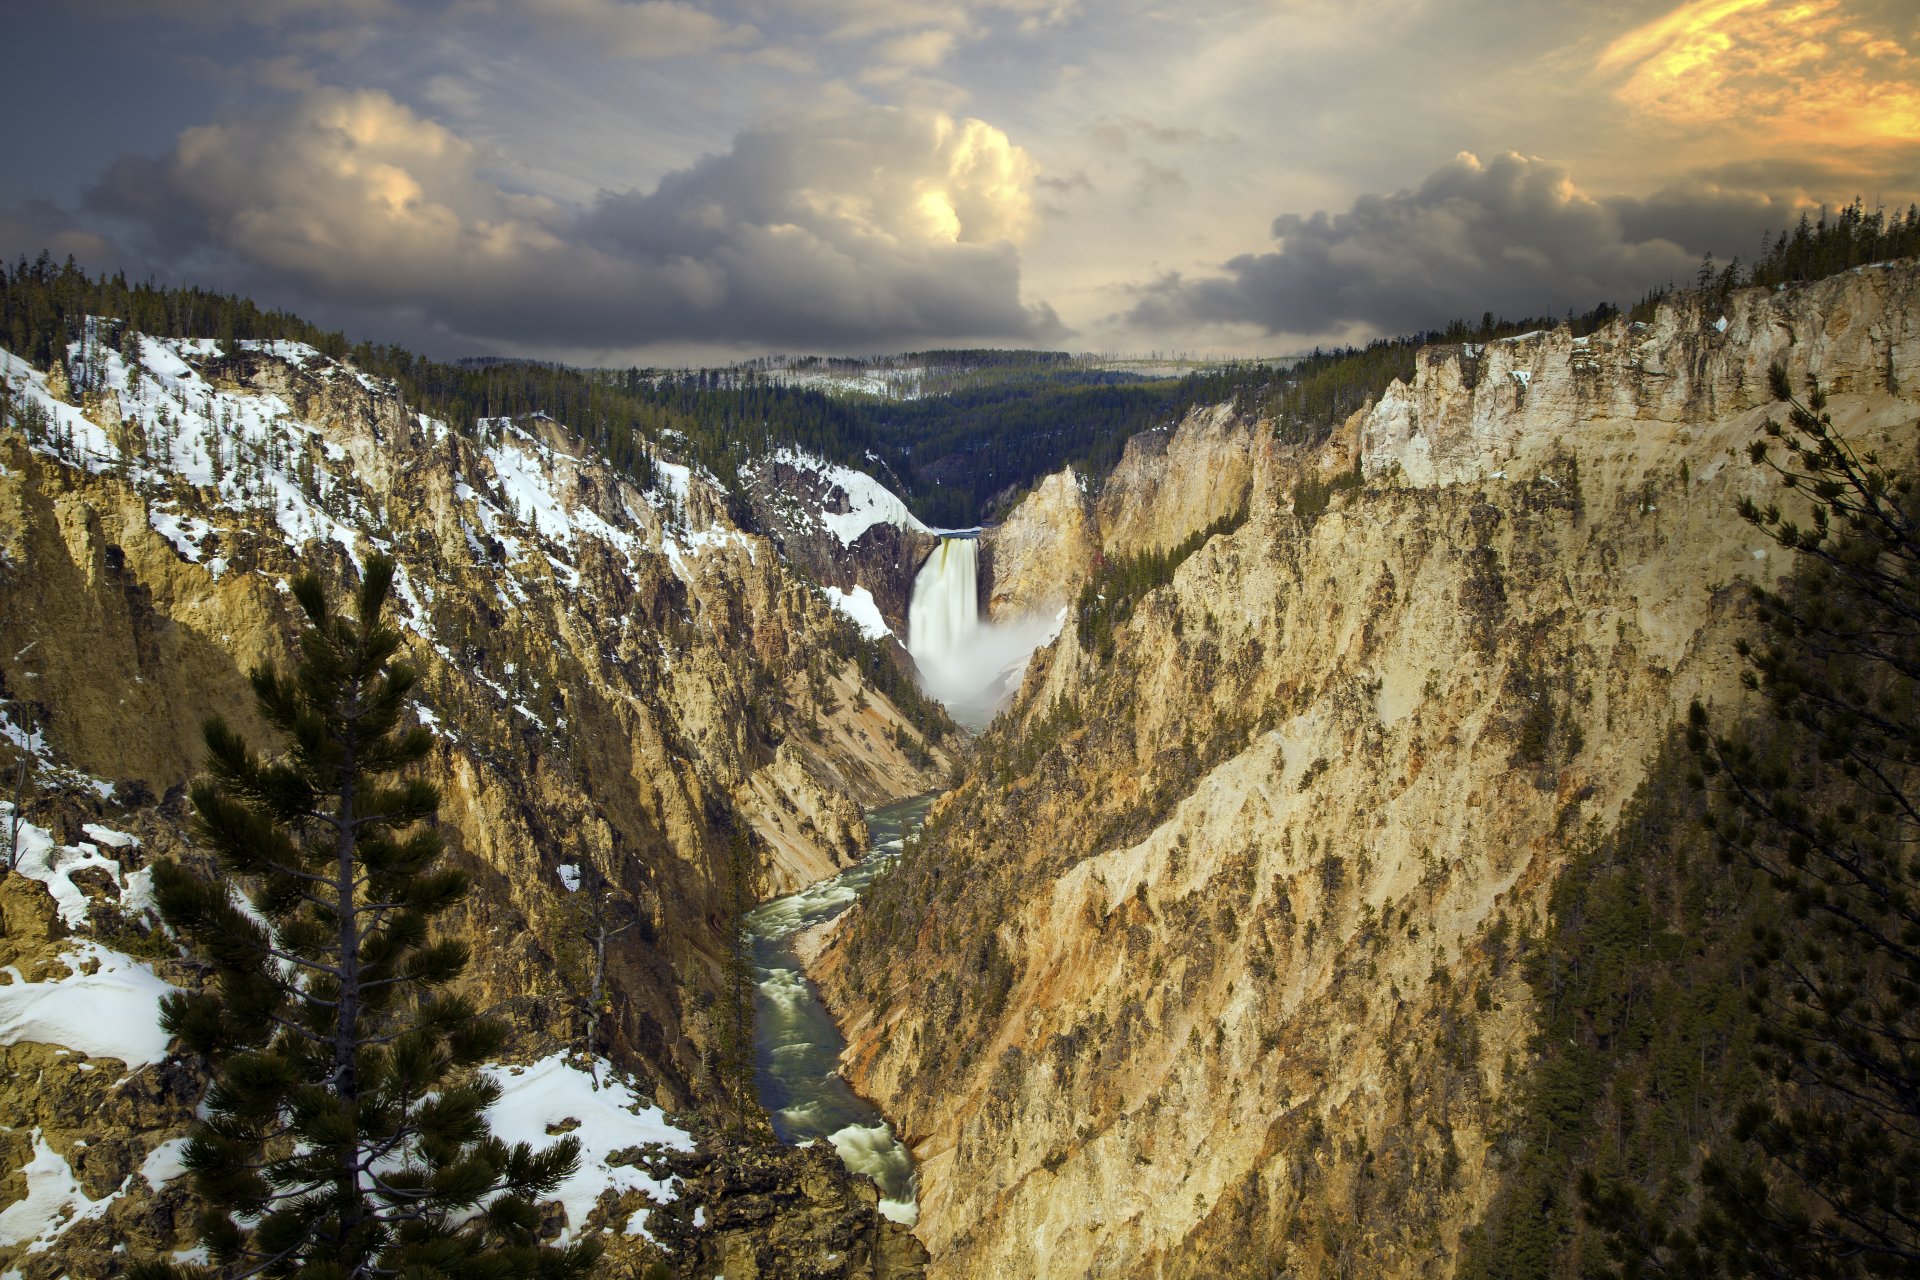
(619,677)
(1169,483)
(842,528)
(1206,967)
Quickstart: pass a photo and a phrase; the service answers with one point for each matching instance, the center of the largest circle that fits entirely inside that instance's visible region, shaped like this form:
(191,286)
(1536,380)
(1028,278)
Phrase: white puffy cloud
(1514,235)
(860,225)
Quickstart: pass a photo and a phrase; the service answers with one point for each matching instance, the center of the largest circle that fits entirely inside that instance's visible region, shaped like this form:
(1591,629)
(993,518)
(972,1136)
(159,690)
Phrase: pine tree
(1823,801)
(594,914)
(733,1030)
(344,1133)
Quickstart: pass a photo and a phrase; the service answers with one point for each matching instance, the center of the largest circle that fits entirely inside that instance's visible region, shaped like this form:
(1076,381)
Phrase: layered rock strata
(622,684)
(1207,968)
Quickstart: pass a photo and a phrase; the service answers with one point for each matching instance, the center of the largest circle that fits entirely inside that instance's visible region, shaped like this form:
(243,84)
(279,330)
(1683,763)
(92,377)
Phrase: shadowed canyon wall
(1206,968)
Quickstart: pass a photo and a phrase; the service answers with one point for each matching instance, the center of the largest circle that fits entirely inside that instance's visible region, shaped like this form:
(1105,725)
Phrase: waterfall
(970,664)
(944,614)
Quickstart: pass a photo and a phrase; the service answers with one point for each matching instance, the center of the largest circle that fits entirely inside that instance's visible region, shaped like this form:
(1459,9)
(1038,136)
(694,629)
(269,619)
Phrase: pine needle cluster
(1821,1176)
(345,1132)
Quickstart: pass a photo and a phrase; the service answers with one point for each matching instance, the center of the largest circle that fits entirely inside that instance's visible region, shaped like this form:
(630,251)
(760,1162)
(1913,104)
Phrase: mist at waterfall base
(970,664)
(797,1047)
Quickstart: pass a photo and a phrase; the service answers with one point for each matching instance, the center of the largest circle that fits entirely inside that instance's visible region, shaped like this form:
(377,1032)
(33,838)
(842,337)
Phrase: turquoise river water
(796,1044)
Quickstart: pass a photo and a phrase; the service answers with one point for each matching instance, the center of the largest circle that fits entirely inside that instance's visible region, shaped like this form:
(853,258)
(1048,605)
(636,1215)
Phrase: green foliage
(990,424)
(1641,1046)
(1108,598)
(1312,495)
(42,304)
(1009,417)
(1812,250)
(987,424)
(1823,803)
(344,1133)
(845,641)
(1853,238)
(1314,395)
(1005,757)
(732,1052)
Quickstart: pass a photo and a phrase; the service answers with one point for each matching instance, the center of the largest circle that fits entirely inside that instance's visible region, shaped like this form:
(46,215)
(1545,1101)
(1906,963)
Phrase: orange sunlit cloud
(1796,71)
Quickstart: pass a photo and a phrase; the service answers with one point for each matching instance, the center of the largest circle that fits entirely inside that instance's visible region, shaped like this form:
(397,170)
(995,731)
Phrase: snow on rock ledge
(868,501)
(54,1201)
(860,606)
(54,865)
(109,1007)
(552,1097)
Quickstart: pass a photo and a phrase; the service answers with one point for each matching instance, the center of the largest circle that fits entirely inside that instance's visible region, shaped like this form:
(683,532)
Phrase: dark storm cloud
(853,228)
(1514,235)
(40,226)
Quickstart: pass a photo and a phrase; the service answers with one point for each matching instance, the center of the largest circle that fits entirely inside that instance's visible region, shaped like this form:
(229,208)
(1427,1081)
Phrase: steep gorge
(1206,966)
(619,678)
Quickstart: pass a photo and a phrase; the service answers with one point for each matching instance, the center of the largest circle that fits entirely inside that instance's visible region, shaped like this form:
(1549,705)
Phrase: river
(796,1044)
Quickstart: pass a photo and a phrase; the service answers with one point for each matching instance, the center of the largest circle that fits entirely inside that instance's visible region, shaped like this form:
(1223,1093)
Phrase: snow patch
(165,1163)
(186,533)
(536,1099)
(55,864)
(112,1012)
(868,501)
(54,1200)
(860,606)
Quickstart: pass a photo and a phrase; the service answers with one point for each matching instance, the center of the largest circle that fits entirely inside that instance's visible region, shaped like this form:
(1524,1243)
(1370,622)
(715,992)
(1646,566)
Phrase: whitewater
(971,664)
(797,1047)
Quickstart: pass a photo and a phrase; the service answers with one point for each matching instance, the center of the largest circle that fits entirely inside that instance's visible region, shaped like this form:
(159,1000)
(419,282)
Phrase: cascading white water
(970,664)
(944,615)
(797,1047)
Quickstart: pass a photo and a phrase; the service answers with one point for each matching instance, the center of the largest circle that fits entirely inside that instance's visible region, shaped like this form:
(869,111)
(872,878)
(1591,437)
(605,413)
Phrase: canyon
(1204,961)
(1206,965)
(626,690)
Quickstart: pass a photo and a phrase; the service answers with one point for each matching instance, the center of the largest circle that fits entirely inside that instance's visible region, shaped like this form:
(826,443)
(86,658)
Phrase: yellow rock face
(1211,973)
(1168,484)
(614,676)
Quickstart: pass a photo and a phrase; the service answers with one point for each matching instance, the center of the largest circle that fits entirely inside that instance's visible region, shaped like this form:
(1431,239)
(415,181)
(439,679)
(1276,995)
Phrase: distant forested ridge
(985,424)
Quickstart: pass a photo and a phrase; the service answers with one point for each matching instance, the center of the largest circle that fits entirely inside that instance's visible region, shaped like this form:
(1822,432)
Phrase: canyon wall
(618,678)
(1206,968)
(1169,483)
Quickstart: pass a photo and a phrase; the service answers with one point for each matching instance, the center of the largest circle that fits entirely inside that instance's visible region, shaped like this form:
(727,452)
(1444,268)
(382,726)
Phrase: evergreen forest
(988,424)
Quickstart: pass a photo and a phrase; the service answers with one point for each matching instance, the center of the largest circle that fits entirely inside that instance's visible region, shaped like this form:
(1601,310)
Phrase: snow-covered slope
(617,675)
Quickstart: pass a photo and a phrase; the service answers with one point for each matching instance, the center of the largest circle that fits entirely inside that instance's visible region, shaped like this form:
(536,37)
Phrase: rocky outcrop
(840,528)
(1042,551)
(767,1212)
(1208,968)
(615,676)
(1170,482)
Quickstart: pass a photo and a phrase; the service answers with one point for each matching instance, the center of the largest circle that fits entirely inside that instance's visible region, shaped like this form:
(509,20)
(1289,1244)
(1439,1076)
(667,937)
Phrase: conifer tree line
(1814,249)
(1000,421)
(719,419)
(1116,585)
(344,1134)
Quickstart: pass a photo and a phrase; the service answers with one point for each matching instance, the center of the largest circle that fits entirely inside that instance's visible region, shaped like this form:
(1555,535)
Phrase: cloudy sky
(615,180)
